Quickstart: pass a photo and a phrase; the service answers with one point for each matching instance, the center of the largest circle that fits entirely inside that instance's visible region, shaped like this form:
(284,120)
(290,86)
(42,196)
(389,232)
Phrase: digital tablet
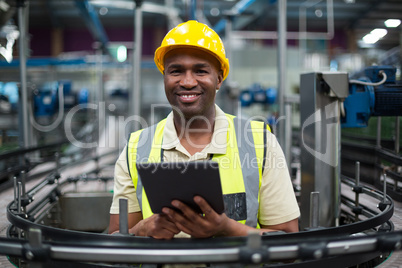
(167,181)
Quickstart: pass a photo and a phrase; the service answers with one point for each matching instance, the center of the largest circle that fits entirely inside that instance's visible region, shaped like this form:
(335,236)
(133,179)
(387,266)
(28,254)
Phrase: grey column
(320,143)
(135,99)
(24,125)
(282,46)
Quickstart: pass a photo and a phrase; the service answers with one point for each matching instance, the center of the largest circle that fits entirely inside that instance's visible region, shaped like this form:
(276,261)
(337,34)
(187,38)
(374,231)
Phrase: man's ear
(220,80)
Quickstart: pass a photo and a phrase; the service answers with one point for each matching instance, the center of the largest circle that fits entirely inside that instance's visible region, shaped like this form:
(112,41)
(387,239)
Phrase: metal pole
(396,146)
(228,37)
(385,187)
(123,216)
(23,73)
(228,50)
(397,133)
(193,9)
(357,177)
(99,72)
(19,209)
(23,182)
(314,210)
(379,132)
(378,145)
(136,96)
(15,205)
(281,64)
(288,134)
(100,94)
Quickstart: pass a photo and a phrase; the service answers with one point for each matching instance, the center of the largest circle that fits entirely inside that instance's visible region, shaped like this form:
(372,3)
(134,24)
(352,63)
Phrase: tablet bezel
(164,182)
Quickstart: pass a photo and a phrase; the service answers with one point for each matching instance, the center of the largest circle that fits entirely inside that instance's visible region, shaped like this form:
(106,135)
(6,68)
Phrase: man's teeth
(188,96)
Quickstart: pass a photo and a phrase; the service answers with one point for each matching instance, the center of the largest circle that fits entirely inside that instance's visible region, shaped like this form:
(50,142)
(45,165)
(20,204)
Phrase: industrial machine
(9,97)
(52,94)
(375,94)
(328,102)
(257,94)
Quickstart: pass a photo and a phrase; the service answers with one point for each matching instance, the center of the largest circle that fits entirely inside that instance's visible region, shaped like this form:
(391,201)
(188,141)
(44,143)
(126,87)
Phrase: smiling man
(256,185)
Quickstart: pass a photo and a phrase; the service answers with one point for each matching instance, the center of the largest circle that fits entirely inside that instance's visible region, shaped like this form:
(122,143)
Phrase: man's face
(191,78)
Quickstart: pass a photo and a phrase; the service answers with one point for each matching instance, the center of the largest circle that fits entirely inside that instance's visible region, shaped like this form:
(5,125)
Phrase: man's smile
(189,97)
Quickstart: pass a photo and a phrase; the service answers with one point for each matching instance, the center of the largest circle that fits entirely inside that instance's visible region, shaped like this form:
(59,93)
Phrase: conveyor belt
(394,257)
(7,196)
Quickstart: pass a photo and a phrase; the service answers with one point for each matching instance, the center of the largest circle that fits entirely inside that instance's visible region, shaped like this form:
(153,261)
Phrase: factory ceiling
(358,17)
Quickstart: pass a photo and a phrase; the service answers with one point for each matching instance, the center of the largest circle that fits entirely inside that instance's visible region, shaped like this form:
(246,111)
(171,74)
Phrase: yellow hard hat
(193,34)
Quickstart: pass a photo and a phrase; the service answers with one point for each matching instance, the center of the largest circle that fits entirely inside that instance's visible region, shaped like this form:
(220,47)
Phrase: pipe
(288,134)
(379,132)
(282,47)
(274,35)
(193,9)
(136,96)
(167,9)
(123,216)
(314,210)
(23,74)
(302,33)
(229,54)
(357,177)
(237,9)
(397,134)
(92,21)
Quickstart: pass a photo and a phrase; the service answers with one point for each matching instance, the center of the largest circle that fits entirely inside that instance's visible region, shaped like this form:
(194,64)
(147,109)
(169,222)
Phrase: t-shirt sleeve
(123,186)
(278,202)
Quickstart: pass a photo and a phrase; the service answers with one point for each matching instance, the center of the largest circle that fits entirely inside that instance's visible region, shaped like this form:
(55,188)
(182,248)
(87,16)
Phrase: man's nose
(188,80)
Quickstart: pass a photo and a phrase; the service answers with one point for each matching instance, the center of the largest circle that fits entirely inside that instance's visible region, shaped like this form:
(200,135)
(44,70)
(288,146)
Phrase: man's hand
(158,226)
(197,225)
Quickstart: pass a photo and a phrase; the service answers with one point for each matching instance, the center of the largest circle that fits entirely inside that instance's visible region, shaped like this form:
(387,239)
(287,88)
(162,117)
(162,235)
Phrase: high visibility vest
(240,167)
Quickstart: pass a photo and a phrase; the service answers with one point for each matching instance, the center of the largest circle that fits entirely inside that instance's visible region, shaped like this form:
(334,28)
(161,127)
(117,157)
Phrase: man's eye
(202,71)
(175,71)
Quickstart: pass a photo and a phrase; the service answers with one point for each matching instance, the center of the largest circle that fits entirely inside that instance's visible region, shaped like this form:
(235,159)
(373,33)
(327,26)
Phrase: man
(255,180)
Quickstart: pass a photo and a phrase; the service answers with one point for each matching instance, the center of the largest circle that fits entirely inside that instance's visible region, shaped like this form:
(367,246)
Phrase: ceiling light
(374,36)
(379,32)
(121,53)
(370,39)
(392,23)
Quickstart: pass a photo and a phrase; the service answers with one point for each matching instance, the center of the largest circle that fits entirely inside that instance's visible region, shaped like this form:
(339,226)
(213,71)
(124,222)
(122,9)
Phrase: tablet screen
(167,181)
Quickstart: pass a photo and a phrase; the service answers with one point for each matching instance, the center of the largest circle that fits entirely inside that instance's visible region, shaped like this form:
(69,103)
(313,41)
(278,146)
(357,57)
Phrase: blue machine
(83,96)
(69,95)
(47,101)
(257,94)
(9,91)
(370,96)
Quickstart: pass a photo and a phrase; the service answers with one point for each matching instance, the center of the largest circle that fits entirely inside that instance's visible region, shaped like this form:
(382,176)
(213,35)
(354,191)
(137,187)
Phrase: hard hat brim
(161,52)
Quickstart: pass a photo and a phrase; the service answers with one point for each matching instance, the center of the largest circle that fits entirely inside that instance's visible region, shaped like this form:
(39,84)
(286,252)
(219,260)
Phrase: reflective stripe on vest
(240,168)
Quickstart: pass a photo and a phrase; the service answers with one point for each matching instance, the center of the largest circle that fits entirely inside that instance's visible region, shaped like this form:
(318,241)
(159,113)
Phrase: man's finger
(204,206)
(169,225)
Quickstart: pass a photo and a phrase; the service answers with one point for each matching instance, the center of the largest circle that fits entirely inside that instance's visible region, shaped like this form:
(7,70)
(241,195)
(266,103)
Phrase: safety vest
(240,167)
